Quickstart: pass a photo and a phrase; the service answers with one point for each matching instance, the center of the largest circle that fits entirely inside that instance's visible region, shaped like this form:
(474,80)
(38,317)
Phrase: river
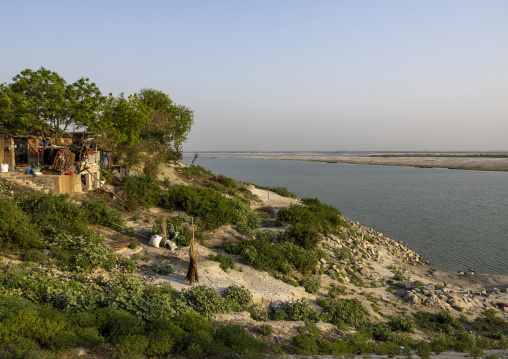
(456,219)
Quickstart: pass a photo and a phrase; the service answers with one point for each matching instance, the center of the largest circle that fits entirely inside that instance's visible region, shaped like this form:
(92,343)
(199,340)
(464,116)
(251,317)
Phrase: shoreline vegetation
(279,276)
(458,161)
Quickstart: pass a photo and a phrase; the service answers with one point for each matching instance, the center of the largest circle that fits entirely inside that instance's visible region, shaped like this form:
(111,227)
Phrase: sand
(460,163)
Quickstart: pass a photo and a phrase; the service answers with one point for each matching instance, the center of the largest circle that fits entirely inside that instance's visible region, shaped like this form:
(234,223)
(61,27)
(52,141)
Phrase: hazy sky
(287,75)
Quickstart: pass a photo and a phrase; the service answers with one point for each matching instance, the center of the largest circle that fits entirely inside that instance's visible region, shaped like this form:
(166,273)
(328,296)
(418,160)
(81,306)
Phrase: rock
(407,284)
(364,271)
(412,298)
(400,293)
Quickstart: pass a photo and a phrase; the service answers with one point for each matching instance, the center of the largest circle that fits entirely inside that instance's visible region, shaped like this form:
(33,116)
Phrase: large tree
(146,129)
(169,124)
(42,101)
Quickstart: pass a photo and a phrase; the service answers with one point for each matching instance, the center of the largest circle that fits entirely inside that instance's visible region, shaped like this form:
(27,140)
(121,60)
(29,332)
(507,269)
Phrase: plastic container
(4,167)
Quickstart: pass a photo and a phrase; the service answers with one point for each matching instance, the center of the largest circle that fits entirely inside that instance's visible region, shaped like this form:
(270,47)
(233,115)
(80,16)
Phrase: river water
(456,219)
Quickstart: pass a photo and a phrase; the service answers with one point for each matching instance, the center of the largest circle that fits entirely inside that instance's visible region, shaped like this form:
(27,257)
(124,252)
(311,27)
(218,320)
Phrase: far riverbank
(458,163)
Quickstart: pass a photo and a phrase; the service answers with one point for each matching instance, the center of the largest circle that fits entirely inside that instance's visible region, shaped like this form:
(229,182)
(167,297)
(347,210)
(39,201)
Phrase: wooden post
(192,273)
(163,229)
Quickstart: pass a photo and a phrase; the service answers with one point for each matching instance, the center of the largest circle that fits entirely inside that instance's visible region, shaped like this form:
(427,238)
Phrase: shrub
(302,235)
(212,208)
(399,276)
(196,171)
(348,311)
(163,268)
(16,227)
(134,243)
(284,258)
(267,209)
(65,217)
(401,324)
(35,256)
(314,215)
(204,300)
(266,329)
(238,294)
(160,342)
(306,344)
(344,254)
(145,189)
(226,262)
(131,346)
(311,285)
(258,313)
(335,292)
(279,315)
(233,342)
(301,309)
(97,211)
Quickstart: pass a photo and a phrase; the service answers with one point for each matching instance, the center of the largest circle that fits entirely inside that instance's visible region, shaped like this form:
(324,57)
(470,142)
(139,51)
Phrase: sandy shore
(459,163)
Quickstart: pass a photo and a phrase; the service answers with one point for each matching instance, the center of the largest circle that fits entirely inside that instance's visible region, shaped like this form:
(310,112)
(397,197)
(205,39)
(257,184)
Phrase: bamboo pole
(192,273)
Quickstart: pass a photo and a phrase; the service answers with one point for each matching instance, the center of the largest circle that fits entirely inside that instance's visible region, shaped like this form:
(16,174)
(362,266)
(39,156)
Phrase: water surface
(456,219)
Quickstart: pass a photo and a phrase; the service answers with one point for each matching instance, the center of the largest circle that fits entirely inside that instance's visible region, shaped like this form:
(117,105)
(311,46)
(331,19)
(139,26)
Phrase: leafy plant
(311,285)
(226,262)
(204,300)
(348,311)
(301,309)
(163,268)
(239,295)
(266,329)
(145,189)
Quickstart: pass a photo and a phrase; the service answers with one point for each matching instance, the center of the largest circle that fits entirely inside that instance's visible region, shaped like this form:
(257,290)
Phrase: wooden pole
(192,273)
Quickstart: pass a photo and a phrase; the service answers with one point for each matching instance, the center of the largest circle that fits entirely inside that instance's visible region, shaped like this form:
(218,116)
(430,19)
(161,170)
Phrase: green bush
(35,256)
(163,268)
(53,214)
(238,294)
(233,342)
(315,216)
(284,258)
(399,276)
(212,209)
(266,329)
(134,243)
(204,300)
(348,311)
(336,291)
(16,227)
(311,285)
(98,212)
(401,324)
(279,315)
(301,309)
(226,262)
(131,346)
(145,189)
(258,313)
(196,171)
(302,235)
(306,344)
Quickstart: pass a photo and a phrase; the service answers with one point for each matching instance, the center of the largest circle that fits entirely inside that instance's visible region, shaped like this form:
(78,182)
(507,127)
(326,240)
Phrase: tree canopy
(42,101)
(144,128)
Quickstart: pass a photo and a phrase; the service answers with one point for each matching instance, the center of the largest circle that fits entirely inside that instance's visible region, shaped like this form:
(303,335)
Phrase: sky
(287,75)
